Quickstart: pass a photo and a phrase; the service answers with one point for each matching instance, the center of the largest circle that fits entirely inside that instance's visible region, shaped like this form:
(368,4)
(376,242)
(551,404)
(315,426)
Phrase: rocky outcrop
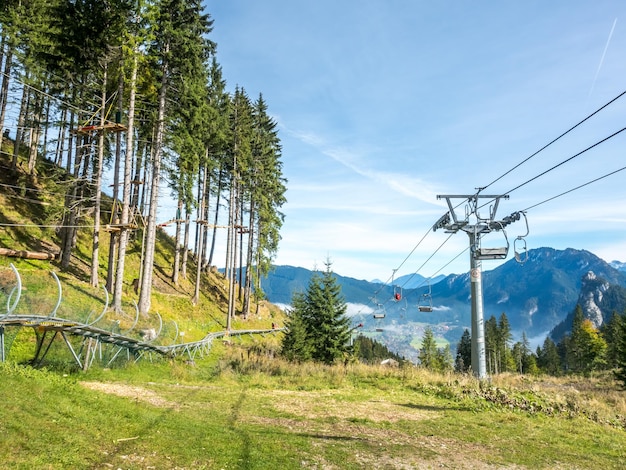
(591,294)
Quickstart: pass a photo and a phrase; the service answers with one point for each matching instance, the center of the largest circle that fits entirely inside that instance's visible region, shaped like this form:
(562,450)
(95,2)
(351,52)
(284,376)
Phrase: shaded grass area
(233,410)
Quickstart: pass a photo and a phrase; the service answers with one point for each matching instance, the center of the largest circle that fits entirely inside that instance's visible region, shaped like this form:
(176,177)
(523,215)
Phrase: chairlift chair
(482,253)
(425,308)
(519,244)
(397,293)
(404,308)
(426,302)
(379,316)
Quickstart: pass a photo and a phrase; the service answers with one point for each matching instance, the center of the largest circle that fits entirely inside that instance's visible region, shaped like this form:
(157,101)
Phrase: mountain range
(537,297)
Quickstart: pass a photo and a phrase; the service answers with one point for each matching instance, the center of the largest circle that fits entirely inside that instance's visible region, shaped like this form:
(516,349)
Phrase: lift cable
(448,263)
(427,260)
(558,165)
(390,279)
(556,139)
(565,161)
(575,188)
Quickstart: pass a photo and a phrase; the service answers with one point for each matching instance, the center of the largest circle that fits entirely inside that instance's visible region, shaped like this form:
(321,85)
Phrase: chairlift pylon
(519,244)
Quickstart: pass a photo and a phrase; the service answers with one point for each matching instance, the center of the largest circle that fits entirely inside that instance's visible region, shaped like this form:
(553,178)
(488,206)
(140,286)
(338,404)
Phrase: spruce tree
(428,354)
(505,337)
(491,344)
(296,344)
(586,349)
(548,359)
(593,346)
(574,349)
(445,362)
(318,322)
(620,372)
(179,47)
(611,332)
(463,361)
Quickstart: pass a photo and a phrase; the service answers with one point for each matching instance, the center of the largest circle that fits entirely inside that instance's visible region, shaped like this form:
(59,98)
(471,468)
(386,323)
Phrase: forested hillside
(134,91)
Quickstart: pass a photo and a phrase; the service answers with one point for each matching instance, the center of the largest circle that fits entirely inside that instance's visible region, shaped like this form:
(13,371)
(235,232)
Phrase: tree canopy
(134,88)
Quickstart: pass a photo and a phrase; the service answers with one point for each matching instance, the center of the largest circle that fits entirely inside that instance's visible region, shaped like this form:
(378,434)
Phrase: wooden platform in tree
(107,126)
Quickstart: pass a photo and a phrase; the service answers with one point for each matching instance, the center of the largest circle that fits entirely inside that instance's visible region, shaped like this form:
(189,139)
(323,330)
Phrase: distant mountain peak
(620,266)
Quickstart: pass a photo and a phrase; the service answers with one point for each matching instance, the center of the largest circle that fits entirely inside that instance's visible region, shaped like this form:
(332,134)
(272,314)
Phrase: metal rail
(97,343)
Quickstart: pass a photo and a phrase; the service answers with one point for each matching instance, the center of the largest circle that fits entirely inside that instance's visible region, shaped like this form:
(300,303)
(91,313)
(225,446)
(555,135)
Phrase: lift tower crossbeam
(452,223)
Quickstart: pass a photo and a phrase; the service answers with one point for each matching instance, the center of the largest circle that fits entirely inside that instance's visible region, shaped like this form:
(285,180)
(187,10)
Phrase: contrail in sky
(593,84)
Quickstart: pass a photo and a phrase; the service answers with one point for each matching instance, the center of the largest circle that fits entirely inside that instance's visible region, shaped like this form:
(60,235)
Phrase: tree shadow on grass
(435,408)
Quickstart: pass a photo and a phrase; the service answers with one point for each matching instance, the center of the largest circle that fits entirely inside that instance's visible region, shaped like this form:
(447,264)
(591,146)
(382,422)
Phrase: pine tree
(611,331)
(296,344)
(318,323)
(463,361)
(620,372)
(428,354)
(548,359)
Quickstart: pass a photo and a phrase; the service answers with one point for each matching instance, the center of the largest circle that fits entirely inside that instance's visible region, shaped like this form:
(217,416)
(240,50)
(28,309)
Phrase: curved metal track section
(99,343)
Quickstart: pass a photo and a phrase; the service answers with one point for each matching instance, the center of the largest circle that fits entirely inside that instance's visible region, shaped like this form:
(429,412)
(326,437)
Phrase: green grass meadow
(234,410)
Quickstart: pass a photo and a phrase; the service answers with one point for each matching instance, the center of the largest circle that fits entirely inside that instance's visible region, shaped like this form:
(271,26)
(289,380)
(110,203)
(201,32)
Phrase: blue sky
(383,105)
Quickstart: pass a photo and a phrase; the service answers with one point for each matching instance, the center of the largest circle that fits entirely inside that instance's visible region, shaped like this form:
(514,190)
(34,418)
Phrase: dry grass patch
(133,392)
(322,405)
(385,448)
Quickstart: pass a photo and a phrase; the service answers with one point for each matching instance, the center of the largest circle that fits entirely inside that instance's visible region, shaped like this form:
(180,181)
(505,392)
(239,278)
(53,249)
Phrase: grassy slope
(243,408)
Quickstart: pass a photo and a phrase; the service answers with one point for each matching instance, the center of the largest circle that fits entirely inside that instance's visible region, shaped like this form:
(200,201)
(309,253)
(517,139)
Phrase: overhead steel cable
(575,188)
(448,263)
(46,94)
(556,139)
(390,278)
(427,260)
(564,161)
(423,264)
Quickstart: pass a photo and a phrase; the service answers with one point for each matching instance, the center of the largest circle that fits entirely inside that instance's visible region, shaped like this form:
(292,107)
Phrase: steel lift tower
(476,226)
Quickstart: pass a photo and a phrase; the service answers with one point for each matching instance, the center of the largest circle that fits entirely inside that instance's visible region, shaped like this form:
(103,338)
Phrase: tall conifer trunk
(95,252)
(177,237)
(148,261)
(115,209)
(128,161)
